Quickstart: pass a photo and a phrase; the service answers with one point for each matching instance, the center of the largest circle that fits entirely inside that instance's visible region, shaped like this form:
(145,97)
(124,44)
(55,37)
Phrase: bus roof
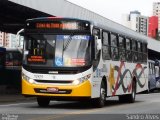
(124,31)
(53,18)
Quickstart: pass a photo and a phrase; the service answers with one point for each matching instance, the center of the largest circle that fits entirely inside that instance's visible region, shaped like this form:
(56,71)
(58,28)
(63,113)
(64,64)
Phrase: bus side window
(114,47)
(144,50)
(134,51)
(128,50)
(106,47)
(149,64)
(122,48)
(140,58)
(96,32)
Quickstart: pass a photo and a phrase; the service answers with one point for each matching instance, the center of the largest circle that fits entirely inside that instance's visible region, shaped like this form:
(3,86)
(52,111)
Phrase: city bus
(73,59)
(13,59)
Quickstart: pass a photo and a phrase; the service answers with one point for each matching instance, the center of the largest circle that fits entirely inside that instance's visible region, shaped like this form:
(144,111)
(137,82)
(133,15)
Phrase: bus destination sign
(62,25)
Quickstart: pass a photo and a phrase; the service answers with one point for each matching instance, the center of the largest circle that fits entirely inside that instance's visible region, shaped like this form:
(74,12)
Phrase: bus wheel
(43,102)
(131,97)
(100,102)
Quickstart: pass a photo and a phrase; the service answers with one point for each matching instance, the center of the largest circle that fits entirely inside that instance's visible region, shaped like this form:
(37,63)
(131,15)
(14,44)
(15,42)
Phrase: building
(1,38)
(4,41)
(153,27)
(9,40)
(136,22)
(156,12)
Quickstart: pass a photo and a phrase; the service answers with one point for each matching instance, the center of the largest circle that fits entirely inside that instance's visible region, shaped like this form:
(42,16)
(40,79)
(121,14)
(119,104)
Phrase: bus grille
(54,81)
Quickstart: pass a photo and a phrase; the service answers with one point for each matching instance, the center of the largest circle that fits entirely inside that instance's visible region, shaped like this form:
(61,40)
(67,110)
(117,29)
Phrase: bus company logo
(38,76)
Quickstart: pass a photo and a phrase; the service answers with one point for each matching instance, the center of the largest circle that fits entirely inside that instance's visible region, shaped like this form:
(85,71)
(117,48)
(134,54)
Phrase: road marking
(18,104)
(24,103)
(84,112)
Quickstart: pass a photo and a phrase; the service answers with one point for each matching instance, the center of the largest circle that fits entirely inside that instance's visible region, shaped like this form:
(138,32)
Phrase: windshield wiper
(67,43)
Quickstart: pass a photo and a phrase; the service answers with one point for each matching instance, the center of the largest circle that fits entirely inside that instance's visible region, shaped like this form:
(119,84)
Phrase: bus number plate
(52,89)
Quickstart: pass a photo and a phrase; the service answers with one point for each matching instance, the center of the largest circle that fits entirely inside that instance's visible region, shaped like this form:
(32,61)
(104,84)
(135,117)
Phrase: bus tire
(131,97)
(43,102)
(100,102)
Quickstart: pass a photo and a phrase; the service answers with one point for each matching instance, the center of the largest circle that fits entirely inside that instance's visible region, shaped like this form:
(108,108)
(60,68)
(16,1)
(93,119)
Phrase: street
(146,104)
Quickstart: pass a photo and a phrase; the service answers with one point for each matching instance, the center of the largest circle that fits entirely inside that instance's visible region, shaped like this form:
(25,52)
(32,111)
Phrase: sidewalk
(13,98)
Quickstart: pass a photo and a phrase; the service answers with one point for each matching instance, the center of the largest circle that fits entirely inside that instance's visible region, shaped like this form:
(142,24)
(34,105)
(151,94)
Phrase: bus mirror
(18,37)
(99,44)
(18,40)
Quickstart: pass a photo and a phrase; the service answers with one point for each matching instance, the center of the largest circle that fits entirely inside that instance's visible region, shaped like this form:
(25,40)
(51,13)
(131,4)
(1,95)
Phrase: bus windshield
(48,50)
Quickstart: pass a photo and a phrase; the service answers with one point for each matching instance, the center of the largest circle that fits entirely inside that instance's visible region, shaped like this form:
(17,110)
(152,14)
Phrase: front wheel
(43,102)
(100,102)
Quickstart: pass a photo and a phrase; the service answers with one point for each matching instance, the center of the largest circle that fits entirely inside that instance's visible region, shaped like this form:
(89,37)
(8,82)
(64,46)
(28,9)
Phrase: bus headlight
(28,79)
(81,80)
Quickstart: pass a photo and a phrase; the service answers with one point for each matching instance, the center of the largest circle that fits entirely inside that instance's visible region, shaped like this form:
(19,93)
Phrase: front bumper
(82,90)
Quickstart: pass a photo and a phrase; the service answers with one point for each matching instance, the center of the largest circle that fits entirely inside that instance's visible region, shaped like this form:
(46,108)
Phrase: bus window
(121,48)
(144,50)
(9,59)
(128,50)
(114,47)
(96,32)
(13,58)
(134,51)
(140,55)
(106,47)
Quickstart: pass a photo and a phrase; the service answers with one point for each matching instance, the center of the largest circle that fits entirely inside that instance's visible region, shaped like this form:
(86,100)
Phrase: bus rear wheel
(100,102)
(43,102)
(131,97)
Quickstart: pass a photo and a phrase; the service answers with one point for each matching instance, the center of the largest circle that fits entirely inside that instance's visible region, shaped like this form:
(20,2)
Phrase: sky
(114,9)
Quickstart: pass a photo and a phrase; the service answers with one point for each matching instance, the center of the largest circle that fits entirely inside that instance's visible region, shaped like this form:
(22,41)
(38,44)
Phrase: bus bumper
(68,91)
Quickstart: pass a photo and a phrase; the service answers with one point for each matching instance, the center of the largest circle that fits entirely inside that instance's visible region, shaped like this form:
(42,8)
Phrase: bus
(74,59)
(2,58)
(13,59)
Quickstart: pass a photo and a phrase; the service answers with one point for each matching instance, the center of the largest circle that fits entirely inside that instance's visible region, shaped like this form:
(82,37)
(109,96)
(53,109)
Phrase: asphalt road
(146,107)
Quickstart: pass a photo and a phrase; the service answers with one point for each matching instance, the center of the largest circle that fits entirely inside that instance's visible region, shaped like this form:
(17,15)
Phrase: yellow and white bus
(73,59)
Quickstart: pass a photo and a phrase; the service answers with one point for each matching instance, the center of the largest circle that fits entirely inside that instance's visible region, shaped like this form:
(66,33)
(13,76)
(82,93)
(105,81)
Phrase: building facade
(9,40)
(136,22)
(156,12)
(4,41)
(153,27)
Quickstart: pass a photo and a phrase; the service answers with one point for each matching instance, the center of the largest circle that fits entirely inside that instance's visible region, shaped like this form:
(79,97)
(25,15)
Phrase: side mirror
(97,46)
(18,39)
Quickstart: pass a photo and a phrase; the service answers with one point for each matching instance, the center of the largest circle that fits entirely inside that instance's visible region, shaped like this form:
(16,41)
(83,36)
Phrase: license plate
(52,89)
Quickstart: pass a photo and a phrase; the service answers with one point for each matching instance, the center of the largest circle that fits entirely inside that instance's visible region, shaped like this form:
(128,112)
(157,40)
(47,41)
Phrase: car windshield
(57,50)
